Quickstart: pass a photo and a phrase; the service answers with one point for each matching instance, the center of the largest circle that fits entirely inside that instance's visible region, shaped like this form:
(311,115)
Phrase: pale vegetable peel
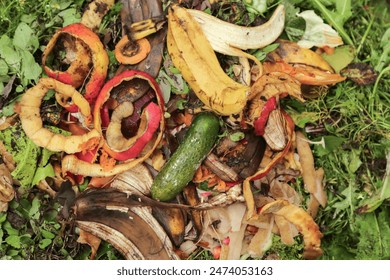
(226,38)
(304,223)
(33,125)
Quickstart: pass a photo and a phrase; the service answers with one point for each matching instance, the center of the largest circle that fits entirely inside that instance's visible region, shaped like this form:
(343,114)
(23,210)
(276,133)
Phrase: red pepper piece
(260,123)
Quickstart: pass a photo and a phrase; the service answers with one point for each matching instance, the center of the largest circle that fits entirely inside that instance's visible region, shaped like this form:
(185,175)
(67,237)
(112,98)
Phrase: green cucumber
(181,167)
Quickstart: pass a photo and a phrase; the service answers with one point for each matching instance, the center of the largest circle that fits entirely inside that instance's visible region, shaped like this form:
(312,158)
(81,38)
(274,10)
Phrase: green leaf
(352,161)
(237,136)
(5,41)
(262,53)
(14,241)
(42,173)
(384,59)
(28,18)
(8,110)
(12,253)
(301,119)
(165,86)
(204,186)
(34,210)
(374,235)
(45,169)
(24,152)
(84,185)
(9,229)
(22,37)
(174,70)
(181,104)
(331,144)
(343,7)
(256,6)
(47,234)
(69,16)
(26,163)
(3,217)
(341,57)
(178,84)
(10,56)
(44,243)
(3,67)
(50,215)
(349,198)
(30,69)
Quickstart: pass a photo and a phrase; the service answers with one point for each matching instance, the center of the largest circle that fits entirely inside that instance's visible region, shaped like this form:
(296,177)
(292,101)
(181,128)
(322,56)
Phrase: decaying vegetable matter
(163,180)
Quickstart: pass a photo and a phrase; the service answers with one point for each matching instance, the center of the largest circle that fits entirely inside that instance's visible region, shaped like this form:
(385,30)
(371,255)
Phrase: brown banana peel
(139,10)
(124,224)
(173,221)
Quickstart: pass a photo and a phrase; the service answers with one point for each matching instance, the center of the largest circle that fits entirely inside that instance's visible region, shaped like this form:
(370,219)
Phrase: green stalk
(365,36)
(373,94)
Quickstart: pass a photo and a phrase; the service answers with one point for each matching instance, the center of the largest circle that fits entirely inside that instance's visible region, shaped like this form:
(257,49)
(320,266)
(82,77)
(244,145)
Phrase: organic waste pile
(187,145)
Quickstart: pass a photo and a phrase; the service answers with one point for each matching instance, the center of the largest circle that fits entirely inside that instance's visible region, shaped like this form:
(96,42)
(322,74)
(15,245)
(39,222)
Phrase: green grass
(359,117)
(354,120)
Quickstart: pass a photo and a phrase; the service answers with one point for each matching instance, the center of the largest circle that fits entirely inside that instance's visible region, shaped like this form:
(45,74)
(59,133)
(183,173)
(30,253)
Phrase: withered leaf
(90,239)
(360,72)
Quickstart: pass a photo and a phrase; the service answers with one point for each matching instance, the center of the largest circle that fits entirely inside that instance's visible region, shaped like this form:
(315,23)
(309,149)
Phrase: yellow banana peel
(193,55)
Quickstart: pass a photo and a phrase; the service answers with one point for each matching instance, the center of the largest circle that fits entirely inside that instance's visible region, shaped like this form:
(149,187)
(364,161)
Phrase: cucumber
(181,167)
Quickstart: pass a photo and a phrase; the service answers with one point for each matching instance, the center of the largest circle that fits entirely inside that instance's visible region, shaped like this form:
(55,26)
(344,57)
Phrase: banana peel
(173,221)
(124,222)
(145,12)
(232,39)
(192,54)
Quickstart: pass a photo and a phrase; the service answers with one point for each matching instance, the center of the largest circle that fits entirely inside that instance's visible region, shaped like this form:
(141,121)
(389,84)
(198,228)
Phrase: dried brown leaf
(90,239)
(360,72)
